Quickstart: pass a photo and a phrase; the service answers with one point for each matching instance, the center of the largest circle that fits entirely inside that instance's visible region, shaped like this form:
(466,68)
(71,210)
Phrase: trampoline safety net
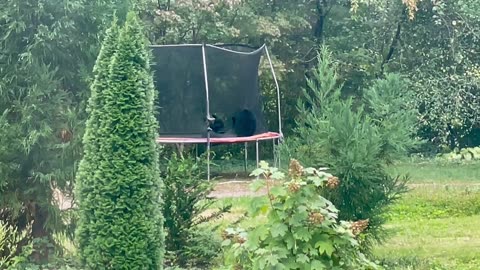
(233,92)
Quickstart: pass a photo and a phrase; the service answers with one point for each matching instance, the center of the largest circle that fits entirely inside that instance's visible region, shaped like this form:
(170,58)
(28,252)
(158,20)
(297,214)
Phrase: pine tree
(125,223)
(355,142)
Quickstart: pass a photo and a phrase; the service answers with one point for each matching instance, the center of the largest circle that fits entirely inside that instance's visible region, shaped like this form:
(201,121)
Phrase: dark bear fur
(244,123)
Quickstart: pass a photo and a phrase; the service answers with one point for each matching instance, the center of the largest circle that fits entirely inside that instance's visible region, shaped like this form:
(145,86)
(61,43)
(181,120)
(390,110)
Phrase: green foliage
(92,141)
(356,145)
(46,52)
(121,225)
(9,242)
(448,109)
(463,154)
(301,231)
(396,121)
(444,68)
(186,198)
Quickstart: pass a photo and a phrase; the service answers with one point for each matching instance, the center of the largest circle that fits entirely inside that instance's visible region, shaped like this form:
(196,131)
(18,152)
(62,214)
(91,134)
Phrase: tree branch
(393,44)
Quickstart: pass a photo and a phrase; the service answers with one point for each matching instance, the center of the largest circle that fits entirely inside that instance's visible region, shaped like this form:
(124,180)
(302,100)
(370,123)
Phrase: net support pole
(257,153)
(278,91)
(278,103)
(207,99)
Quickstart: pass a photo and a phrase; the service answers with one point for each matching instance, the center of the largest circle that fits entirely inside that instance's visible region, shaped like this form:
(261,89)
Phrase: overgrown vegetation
(355,141)
(48,49)
(190,241)
(301,229)
(433,226)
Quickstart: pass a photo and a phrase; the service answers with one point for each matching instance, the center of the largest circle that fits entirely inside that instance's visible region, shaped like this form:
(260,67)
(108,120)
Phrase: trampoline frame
(275,137)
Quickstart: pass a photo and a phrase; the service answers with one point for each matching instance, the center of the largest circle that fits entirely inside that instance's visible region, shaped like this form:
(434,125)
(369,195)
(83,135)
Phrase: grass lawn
(442,243)
(438,172)
(434,226)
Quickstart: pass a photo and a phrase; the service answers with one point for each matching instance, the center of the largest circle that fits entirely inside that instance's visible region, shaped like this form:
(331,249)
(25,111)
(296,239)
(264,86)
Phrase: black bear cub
(244,123)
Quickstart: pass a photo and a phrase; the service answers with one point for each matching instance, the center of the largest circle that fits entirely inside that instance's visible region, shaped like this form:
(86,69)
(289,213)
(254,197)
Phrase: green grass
(448,243)
(439,172)
(437,201)
(434,227)
(420,170)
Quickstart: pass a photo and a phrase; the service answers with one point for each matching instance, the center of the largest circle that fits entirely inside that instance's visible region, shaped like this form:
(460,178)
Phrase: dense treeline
(48,49)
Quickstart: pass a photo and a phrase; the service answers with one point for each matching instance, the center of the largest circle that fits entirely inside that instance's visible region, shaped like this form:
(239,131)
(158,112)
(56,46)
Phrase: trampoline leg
(275,158)
(257,154)
(246,157)
(208,156)
(279,155)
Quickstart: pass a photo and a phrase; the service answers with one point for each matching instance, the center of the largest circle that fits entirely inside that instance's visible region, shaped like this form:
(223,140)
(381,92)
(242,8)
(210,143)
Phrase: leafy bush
(9,241)
(22,259)
(120,222)
(301,231)
(355,142)
(189,242)
(448,108)
(472,153)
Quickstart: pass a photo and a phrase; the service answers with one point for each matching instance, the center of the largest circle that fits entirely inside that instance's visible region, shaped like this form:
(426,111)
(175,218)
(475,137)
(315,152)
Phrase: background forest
(48,49)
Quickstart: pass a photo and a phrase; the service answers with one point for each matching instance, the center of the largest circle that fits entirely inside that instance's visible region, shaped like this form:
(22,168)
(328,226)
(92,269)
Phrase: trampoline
(209,94)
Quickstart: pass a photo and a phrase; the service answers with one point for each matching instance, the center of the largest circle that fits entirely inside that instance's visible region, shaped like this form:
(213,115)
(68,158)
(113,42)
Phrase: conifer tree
(89,162)
(355,142)
(124,229)
(47,49)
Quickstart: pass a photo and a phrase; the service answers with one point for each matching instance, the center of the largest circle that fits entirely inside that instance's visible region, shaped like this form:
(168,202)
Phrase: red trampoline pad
(258,137)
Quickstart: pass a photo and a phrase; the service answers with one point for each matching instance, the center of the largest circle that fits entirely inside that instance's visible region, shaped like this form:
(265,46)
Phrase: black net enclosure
(206,87)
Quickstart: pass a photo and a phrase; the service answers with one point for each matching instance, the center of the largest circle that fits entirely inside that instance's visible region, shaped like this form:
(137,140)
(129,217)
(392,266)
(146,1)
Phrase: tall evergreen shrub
(120,205)
(355,142)
(89,163)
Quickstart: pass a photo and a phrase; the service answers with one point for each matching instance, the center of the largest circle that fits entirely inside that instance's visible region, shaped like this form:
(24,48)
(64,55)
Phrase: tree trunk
(394,44)
(319,25)
(40,235)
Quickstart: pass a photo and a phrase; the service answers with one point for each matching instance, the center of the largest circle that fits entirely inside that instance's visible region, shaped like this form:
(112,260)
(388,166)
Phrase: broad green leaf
(320,238)
(263,164)
(257,172)
(289,240)
(257,185)
(278,229)
(302,258)
(277,175)
(302,233)
(226,242)
(258,205)
(326,247)
(298,218)
(278,191)
(272,260)
(317,265)
(317,181)
(261,251)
